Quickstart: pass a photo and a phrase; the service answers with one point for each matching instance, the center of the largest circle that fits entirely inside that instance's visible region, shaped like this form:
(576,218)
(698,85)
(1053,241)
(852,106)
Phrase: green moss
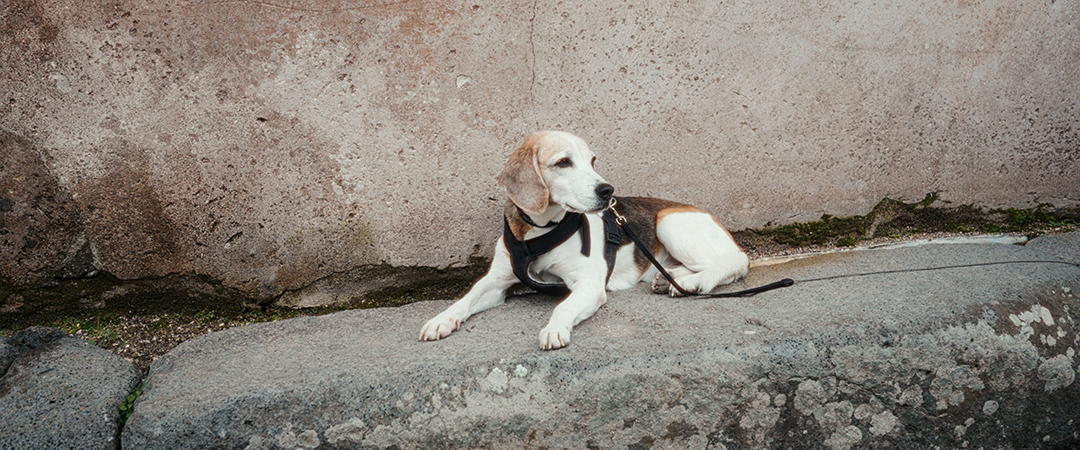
(829,230)
(1021,217)
(892,219)
(846,241)
(128,407)
(98,330)
(142,319)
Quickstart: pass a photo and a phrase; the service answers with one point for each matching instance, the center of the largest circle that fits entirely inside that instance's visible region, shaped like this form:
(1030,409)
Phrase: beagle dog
(551,183)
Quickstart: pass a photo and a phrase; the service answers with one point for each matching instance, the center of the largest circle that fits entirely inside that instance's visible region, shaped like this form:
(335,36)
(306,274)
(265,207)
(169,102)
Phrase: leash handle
(749,292)
(621,222)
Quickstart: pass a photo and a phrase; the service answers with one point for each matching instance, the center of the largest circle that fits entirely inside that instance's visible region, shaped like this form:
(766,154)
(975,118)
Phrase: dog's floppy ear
(522,180)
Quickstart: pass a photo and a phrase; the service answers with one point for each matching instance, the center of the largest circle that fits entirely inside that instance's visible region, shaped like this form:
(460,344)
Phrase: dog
(551,182)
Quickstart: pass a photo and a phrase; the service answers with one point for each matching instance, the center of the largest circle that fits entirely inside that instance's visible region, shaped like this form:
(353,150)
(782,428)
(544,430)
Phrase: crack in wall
(532,65)
(313,10)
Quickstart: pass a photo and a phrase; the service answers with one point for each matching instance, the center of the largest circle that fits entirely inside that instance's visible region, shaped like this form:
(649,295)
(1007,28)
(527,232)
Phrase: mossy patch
(139,320)
(104,293)
(892,219)
(143,319)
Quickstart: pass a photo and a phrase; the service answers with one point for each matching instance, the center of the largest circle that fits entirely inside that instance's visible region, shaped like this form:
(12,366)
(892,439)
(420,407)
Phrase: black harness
(524,253)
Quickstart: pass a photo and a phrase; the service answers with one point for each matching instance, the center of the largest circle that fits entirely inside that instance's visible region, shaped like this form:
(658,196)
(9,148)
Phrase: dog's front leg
(488,292)
(584,300)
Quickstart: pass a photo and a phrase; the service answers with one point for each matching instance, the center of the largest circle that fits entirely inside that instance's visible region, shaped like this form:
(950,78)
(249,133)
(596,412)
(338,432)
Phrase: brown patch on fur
(522,178)
(518,226)
(678,208)
(545,153)
(642,214)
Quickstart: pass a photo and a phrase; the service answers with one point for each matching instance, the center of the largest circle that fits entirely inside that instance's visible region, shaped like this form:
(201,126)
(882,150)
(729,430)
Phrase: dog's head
(554,167)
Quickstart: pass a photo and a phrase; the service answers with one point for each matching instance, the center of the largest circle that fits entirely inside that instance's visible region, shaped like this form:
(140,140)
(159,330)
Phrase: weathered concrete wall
(270,144)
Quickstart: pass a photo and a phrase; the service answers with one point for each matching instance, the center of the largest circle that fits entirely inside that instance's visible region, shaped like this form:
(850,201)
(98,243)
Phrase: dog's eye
(564,163)
(593,162)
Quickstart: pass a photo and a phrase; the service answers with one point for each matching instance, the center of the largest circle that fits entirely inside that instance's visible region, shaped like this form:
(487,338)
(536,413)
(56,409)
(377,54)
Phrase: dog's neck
(523,230)
(528,219)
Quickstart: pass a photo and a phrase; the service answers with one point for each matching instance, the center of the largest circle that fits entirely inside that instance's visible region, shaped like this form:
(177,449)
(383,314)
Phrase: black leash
(926,269)
(621,221)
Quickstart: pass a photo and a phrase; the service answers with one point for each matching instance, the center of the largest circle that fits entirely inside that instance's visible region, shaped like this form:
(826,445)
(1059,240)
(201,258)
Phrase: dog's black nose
(605,191)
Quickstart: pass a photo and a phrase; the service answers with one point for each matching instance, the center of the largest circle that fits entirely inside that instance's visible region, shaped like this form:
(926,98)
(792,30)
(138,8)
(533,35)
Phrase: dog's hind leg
(708,255)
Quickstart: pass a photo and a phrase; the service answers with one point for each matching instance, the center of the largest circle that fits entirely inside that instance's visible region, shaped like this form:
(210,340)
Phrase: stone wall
(274,144)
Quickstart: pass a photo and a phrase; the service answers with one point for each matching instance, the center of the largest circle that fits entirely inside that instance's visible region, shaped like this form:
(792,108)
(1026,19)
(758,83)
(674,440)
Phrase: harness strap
(524,253)
(612,241)
(529,220)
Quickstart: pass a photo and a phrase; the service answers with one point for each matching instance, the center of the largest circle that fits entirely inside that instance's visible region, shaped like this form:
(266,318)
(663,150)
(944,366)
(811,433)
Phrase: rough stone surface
(971,357)
(271,144)
(61,392)
(1064,246)
(41,234)
(8,353)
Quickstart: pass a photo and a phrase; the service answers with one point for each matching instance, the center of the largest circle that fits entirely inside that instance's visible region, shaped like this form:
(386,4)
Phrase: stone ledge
(946,358)
(60,392)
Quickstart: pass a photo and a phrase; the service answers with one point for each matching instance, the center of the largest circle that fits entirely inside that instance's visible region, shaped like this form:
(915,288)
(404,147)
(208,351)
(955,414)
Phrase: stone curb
(979,357)
(59,391)
(964,357)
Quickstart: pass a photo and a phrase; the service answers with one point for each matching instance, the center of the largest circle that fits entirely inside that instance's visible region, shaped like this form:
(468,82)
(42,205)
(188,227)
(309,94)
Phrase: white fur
(697,251)
(708,255)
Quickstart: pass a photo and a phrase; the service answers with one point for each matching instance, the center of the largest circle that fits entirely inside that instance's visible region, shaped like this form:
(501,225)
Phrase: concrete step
(975,356)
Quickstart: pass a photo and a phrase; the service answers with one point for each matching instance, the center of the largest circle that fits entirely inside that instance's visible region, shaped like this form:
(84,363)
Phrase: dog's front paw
(660,285)
(552,338)
(438,328)
(675,293)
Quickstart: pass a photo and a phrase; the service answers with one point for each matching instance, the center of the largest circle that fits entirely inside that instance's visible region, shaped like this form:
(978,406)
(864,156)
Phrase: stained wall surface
(270,144)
